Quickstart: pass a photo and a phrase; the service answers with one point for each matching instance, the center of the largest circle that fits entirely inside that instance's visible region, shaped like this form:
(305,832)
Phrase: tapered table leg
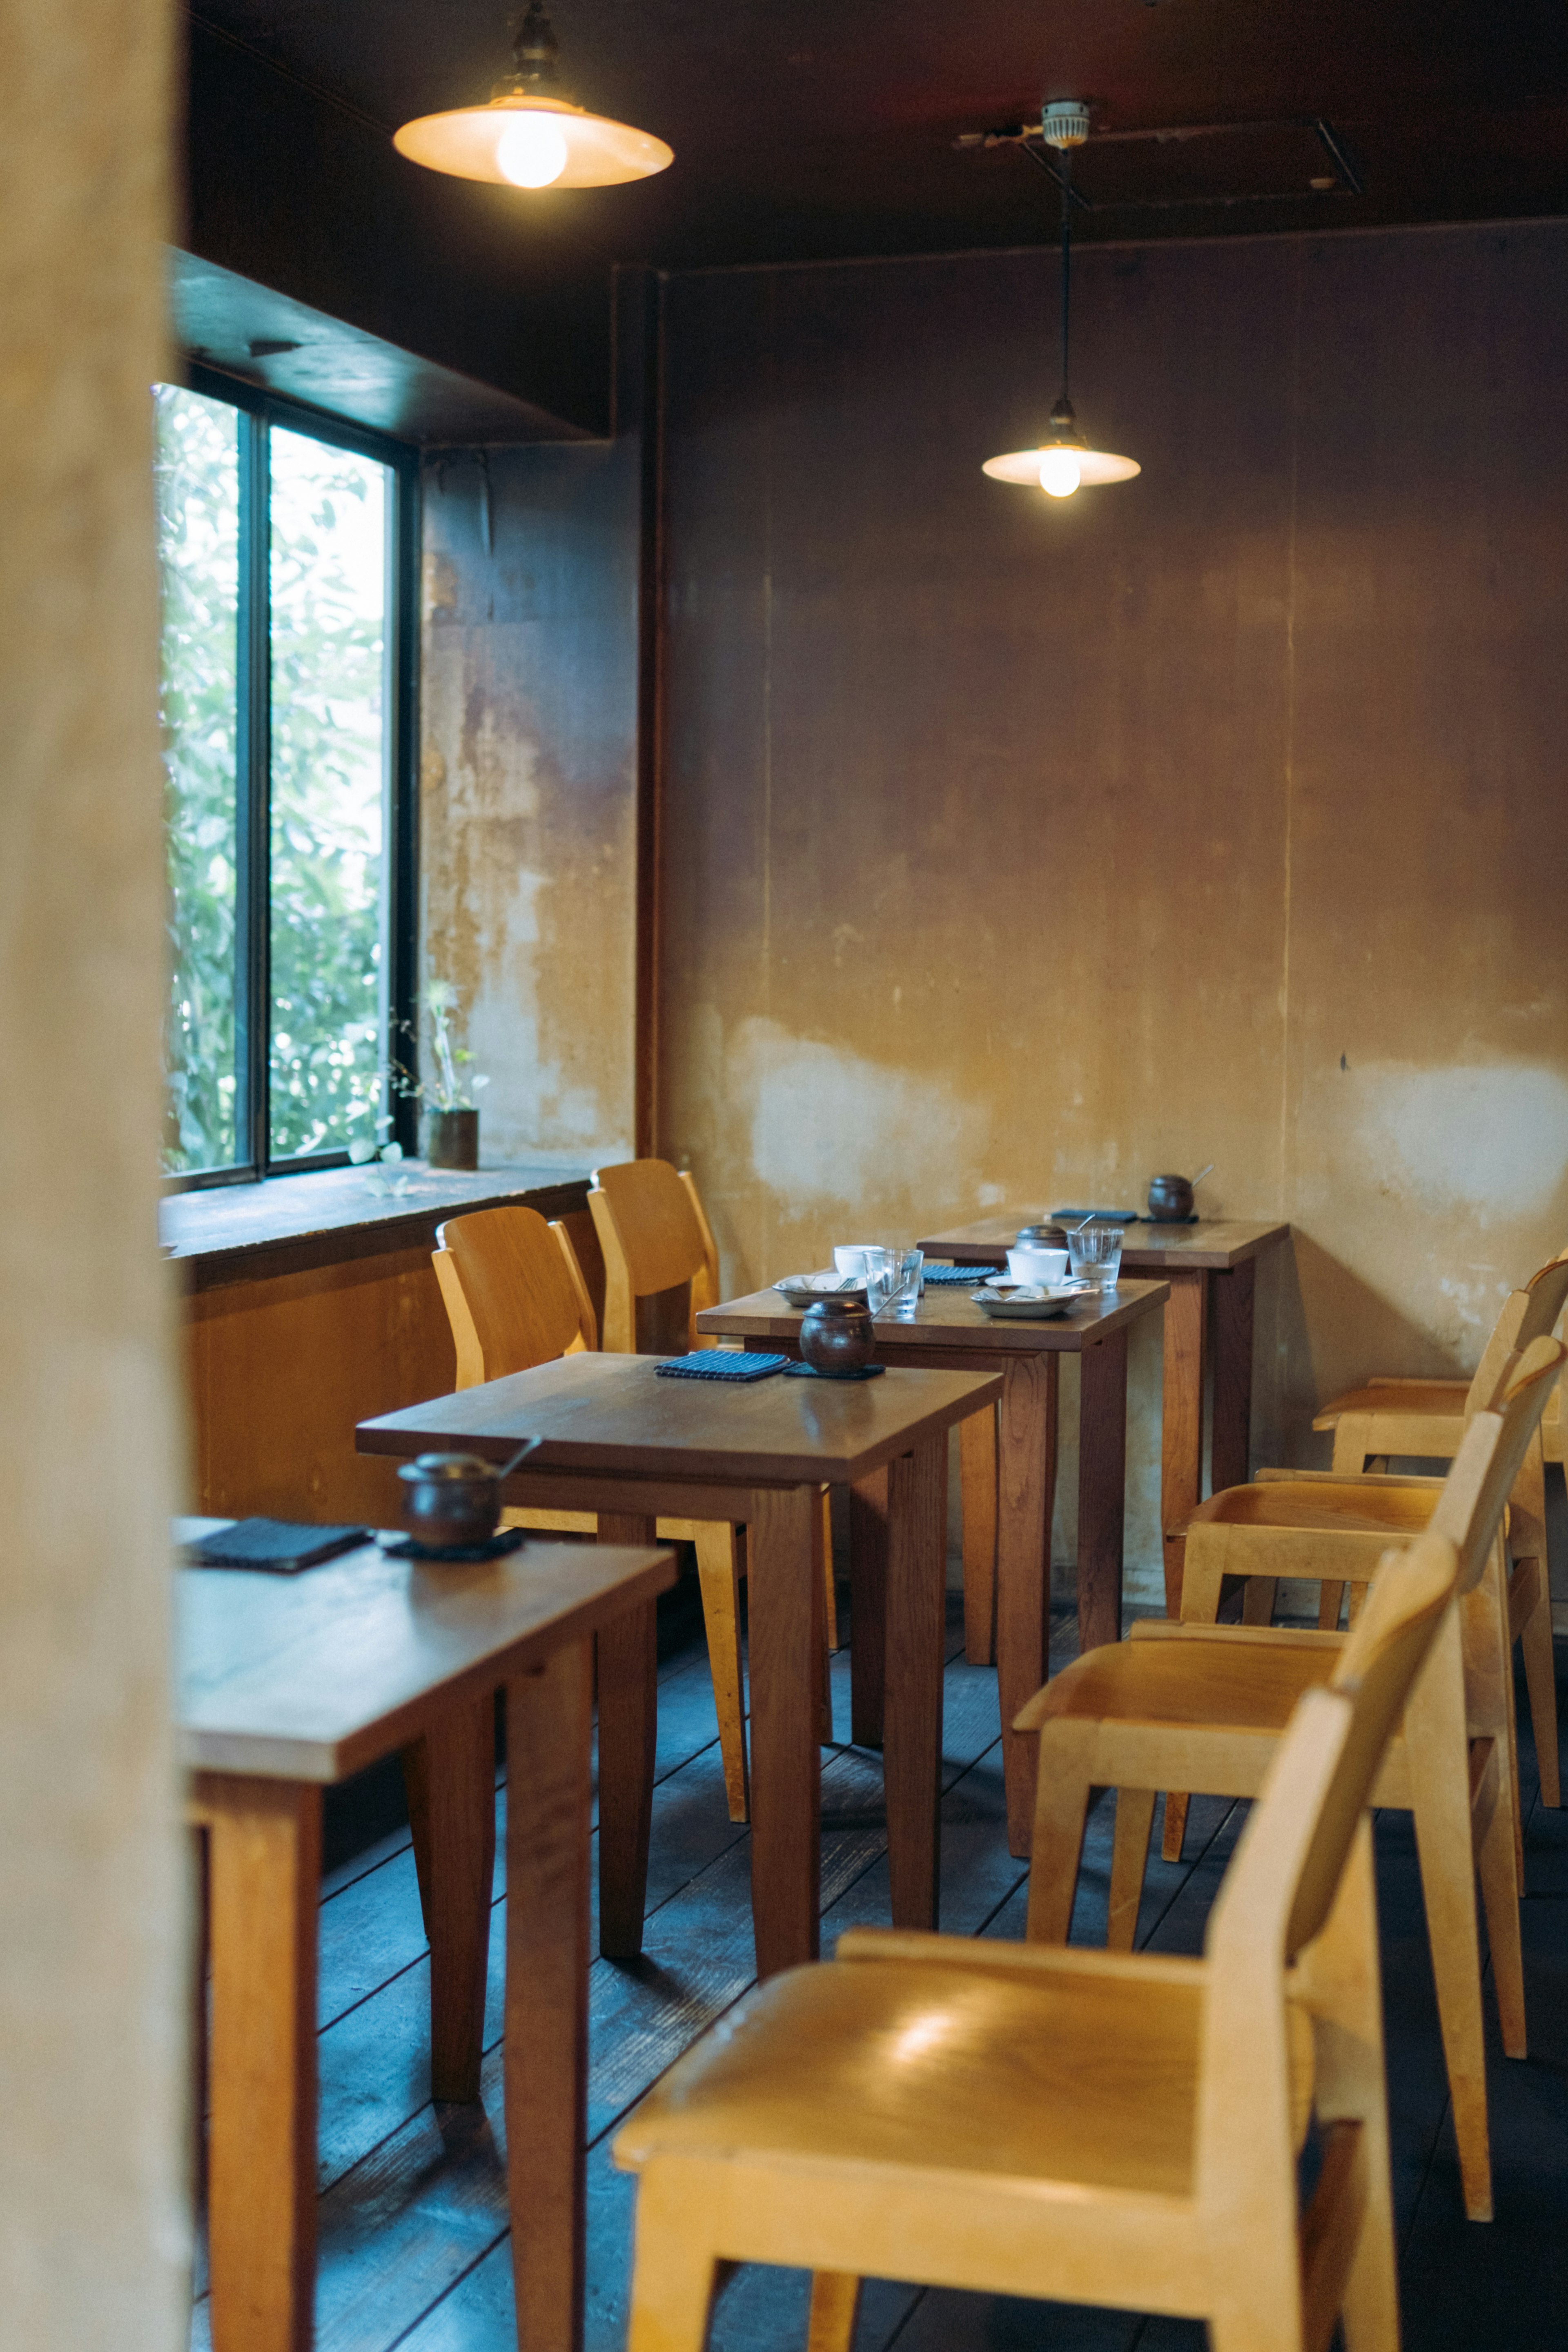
(1230,1439)
(867,1607)
(917,1561)
(456,1761)
(1025,1493)
(629,1729)
(785,1622)
(977,1475)
(549,1725)
(1181,1419)
(1102,1490)
(266,1869)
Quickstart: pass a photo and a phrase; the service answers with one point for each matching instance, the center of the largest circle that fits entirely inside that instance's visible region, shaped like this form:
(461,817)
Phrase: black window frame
(259,412)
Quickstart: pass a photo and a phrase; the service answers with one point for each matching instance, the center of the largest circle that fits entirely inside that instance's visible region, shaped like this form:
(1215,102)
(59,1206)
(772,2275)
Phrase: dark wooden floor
(413,2247)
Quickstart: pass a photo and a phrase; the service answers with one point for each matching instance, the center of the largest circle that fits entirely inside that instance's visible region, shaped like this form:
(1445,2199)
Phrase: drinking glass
(1095,1254)
(906,1268)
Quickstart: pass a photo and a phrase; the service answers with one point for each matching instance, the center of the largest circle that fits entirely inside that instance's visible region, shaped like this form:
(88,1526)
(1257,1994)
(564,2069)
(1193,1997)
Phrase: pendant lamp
(1064,462)
(530,135)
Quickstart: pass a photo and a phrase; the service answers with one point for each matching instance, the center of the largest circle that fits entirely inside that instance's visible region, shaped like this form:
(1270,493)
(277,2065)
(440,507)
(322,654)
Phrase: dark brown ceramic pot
(1170,1198)
(453,1139)
(450,1499)
(836,1335)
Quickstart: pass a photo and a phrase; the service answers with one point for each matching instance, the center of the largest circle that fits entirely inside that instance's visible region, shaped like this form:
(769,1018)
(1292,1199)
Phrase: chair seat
(932,2069)
(1442,1399)
(1234,1684)
(1318,1505)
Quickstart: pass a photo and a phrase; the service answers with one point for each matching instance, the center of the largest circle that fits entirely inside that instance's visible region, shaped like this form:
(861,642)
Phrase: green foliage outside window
(326,1023)
(198,547)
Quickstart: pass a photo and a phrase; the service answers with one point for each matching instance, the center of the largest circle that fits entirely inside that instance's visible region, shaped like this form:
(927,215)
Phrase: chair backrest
(1528,1314)
(1469,1508)
(1286,1871)
(655,1237)
(513,1290)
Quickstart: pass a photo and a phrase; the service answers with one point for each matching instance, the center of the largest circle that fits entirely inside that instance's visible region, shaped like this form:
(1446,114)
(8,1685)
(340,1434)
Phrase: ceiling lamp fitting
(1063,462)
(1065,122)
(530,135)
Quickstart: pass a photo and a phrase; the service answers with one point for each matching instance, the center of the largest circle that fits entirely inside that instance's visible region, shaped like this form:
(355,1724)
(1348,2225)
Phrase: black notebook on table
(279,1546)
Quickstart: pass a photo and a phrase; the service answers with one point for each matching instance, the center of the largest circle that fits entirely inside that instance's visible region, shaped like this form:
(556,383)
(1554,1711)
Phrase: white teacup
(850,1258)
(1029,1264)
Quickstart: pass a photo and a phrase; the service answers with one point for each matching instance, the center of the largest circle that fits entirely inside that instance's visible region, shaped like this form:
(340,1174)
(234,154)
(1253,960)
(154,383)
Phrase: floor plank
(415,2252)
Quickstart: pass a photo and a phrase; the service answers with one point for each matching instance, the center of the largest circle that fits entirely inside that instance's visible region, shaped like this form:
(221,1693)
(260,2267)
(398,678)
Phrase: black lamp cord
(1066,153)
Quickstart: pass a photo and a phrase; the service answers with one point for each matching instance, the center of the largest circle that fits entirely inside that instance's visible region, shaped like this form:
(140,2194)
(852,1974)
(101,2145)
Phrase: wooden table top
(948,1317)
(1214,1245)
(309,1677)
(612,1415)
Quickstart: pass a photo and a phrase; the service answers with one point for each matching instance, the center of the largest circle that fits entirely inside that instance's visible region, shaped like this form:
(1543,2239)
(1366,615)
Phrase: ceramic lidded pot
(450,1500)
(836,1335)
(1170,1199)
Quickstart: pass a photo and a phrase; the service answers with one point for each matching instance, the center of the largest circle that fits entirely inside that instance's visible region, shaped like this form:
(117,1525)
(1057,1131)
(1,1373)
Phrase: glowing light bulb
(532,151)
(1060,473)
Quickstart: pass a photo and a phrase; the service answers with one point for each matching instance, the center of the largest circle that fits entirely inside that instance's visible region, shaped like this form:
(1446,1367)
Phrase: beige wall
(92,2228)
(529,719)
(1016,850)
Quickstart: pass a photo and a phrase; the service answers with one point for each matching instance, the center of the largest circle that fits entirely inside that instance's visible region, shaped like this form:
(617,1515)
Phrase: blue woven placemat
(941,1276)
(720,1364)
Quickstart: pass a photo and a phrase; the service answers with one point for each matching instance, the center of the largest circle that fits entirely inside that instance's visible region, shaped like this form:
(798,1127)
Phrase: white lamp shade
(599,153)
(1023,466)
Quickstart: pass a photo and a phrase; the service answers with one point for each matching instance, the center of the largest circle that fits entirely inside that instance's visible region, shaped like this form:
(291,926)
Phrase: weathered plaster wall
(529,728)
(1015,850)
(92,2225)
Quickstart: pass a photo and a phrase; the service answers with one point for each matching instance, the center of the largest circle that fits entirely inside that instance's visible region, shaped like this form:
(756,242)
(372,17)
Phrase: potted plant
(452,1130)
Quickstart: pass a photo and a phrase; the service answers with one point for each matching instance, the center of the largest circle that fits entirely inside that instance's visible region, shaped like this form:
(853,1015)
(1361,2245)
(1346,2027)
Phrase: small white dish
(805,1289)
(1029,1302)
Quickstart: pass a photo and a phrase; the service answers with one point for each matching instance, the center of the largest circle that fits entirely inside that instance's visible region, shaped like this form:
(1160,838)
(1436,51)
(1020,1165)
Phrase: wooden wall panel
(281,1370)
(1017,849)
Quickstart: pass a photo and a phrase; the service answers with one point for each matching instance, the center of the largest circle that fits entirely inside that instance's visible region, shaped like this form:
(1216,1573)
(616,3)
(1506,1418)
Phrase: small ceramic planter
(453,1139)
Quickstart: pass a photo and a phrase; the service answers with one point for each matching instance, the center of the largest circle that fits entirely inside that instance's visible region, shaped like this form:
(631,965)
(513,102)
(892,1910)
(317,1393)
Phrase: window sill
(286,1225)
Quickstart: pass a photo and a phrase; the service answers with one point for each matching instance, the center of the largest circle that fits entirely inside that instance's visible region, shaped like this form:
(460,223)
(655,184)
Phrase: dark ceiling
(811,130)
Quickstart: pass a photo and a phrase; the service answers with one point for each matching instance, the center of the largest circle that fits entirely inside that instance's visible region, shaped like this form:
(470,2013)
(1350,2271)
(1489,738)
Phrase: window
(286,556)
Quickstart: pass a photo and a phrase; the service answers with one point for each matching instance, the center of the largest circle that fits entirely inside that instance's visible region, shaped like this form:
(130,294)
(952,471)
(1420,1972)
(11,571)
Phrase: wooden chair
(1237,1532)
(1091,2127)
(515,1296)
(1385,1418)
(1204,1706)
(657,1242)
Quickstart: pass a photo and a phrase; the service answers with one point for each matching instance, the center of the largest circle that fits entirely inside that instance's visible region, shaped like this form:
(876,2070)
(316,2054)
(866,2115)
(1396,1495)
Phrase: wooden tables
(619,1441)
(1210,1268)
(1009,1487)
(287,1683)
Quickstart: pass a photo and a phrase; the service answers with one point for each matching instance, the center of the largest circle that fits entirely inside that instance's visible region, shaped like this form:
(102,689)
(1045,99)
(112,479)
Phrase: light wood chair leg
(1499,1896)
(977,1480)
(1061,1808)
(1331,1600)
(1175,1825)
(1128,1859)
(719,1575)
(1435,1734)
(265,1862)
(835,2307)
(1541,1681)
(1350,2087)
(1201,1585)
(674,2274)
